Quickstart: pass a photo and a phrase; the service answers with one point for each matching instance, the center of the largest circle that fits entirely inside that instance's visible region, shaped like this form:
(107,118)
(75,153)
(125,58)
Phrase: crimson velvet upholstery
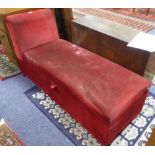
(101,95)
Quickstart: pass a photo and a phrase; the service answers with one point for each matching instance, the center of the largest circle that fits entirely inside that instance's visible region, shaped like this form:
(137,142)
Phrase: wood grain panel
(115,49)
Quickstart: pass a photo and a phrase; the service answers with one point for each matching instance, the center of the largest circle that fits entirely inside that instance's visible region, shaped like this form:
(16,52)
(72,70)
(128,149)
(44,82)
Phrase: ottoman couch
(102,96)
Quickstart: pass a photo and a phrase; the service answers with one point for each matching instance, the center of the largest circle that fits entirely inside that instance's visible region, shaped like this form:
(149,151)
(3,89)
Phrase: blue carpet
(24,118)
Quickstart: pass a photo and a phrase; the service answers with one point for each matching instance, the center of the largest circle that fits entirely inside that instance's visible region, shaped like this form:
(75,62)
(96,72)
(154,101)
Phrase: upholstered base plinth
(102,96)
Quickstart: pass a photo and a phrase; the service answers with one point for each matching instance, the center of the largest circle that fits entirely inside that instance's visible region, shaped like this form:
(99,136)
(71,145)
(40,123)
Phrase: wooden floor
(151,140)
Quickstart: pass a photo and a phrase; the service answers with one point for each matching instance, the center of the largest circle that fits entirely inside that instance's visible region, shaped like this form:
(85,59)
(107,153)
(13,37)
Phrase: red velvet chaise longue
(102,96)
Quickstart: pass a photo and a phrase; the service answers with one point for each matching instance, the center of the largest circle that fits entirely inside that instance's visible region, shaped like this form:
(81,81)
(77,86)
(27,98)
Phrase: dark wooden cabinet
(109,40)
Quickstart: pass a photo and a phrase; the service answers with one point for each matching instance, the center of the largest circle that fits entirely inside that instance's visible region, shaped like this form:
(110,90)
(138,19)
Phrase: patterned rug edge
(7,68)
(5,126)
(74,141)
(4,78)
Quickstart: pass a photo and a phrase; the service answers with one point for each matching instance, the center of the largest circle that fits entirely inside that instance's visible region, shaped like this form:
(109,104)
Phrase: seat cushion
(106,88)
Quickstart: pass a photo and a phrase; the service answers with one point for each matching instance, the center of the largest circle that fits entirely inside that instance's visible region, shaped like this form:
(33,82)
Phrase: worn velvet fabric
(101,95)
